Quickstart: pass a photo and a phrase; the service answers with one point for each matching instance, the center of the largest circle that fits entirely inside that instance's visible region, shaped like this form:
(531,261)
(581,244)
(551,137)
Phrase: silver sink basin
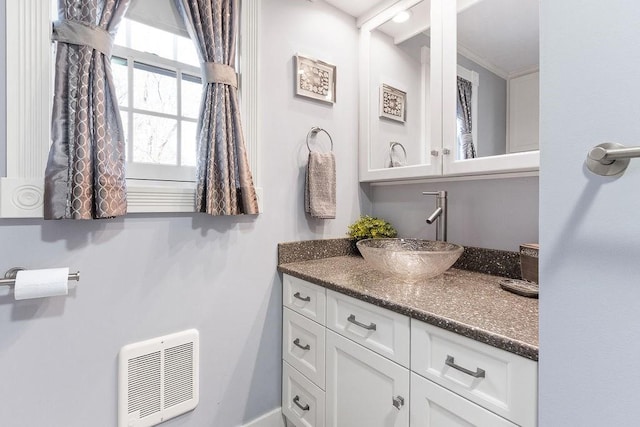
(409,258)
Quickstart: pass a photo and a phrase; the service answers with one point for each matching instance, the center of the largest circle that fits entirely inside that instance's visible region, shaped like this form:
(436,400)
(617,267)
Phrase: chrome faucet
(440,214)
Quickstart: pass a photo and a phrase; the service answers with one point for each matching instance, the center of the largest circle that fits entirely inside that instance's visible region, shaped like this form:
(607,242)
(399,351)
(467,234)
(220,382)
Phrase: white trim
(484,63)
(458,178)
(28,84)
(250,82)
(270,419)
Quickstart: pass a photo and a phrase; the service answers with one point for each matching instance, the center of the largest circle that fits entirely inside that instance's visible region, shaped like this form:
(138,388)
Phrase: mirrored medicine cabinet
(449,88)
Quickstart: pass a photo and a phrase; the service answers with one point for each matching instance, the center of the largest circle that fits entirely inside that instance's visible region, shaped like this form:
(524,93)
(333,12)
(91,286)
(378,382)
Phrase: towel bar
(10,276)
(610,158)
(314,131)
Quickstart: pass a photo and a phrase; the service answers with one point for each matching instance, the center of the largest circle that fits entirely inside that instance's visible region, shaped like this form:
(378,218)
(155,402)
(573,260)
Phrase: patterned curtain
(224,185)
(466,147)
(85,176)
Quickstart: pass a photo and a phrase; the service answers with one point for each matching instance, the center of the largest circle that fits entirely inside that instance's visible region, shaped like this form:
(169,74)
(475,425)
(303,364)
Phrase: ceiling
(501,35)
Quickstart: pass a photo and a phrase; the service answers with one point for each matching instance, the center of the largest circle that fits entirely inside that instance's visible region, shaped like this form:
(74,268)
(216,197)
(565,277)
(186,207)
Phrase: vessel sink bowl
(409,258)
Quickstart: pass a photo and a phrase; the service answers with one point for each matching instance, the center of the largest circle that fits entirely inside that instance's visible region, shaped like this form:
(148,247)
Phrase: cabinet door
(364,388)
(435,406)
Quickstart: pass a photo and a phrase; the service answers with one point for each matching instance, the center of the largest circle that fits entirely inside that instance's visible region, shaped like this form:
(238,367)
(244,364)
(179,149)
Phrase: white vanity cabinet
(348,363)
(364,388)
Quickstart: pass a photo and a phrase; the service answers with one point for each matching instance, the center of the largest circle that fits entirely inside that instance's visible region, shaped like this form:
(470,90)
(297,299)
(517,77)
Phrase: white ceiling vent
(158,379)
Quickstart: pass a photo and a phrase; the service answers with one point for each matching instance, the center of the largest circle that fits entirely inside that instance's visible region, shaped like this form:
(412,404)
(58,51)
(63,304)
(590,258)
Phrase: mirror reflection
(399,88)
(498,70)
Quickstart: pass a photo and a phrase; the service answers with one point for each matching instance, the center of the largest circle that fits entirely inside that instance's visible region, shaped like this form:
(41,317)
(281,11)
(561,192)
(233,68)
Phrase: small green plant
(371,228)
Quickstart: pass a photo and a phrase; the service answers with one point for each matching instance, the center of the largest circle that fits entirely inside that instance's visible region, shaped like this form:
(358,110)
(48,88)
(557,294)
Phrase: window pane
(191,96)
(119,70)
(154,89)
(188,143)
(152,40)
(187,53)
(155,139)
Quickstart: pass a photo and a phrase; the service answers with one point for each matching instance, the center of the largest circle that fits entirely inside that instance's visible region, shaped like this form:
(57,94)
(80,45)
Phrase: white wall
(149,275)
(589,225)
(494,213)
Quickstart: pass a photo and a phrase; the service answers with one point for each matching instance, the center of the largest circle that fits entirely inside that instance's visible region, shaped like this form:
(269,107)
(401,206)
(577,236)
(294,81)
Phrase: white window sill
(23,197)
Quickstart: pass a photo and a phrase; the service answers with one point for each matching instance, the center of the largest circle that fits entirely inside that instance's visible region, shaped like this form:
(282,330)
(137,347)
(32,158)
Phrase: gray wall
(494,213)
(150,275)
(590,232)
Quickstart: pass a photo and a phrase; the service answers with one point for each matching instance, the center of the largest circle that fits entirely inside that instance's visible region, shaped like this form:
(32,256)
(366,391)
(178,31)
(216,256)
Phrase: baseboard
(270,419)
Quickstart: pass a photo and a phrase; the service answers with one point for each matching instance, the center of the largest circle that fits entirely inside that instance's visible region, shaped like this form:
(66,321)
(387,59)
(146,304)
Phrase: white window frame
(29,88)
(154,171)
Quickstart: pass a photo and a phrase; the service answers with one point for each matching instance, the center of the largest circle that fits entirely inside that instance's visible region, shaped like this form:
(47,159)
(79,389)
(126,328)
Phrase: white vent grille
(178,378)
(144,384)
(158,379)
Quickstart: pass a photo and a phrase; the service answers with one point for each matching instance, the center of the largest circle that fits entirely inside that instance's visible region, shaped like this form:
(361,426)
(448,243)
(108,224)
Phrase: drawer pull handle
(479,373)
(296,400)
(370,327)
(297,295)
(398,402)
(296,342)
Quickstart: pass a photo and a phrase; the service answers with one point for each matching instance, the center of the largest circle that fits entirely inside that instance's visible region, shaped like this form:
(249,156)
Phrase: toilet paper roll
(48,282)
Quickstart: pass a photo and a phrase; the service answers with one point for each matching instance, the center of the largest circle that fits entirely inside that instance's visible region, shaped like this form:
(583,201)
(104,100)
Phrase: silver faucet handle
(435,193)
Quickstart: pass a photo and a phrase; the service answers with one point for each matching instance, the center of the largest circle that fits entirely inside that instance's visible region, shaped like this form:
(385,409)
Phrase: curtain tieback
(79,33)
(219,73)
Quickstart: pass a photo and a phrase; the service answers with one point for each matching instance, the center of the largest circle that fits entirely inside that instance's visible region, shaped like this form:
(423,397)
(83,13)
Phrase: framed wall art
(315,79)
(393,103)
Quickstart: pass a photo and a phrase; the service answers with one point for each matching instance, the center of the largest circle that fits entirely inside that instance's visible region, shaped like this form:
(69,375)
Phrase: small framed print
(393,103)
(315,79)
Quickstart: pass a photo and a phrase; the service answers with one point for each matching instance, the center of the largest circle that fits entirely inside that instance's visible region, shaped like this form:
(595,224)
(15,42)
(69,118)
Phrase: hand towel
(320,186)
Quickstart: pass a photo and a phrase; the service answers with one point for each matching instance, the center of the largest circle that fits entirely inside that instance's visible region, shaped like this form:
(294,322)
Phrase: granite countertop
(466,302)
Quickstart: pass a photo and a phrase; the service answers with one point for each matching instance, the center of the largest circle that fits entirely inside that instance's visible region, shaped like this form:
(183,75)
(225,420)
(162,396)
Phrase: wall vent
(158,379)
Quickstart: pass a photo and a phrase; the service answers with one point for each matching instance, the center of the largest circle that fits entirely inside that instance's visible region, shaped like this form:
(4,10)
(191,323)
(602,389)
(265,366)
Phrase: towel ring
(393,145)
(314,131)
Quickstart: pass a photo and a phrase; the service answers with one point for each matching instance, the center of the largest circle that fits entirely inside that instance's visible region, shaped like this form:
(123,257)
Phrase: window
(28,128)
(157,78)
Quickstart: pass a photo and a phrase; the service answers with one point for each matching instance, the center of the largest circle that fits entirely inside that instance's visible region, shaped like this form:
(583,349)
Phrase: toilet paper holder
(10,276)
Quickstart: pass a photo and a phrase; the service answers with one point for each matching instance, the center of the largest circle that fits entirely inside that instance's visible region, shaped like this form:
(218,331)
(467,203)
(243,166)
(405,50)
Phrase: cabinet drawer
(302,401)
(500,381)
(435,406)
(379,329)
(304,297)
(303,345)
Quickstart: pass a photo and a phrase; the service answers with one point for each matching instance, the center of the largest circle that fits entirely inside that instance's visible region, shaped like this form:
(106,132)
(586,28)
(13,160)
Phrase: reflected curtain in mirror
(85,176)
(224,184)
(466,147)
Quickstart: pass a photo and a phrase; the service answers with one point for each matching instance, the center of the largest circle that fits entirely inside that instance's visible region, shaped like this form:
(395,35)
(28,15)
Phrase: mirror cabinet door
(401,93)
(490,86)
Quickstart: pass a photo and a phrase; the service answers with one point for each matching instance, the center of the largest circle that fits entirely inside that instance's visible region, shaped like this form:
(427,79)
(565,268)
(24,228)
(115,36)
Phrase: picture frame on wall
(393,103)
(315,79)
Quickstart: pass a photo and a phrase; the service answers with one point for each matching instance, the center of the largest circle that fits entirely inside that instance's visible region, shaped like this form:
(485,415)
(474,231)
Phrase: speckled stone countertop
(466,302)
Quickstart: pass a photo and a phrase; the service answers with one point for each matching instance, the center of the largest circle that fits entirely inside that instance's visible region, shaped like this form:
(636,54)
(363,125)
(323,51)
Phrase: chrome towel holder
(11,274)
(610,158)
(313,132)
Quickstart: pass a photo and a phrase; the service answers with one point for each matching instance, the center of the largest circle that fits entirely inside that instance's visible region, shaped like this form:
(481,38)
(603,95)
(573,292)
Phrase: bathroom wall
(492,213)
(149,275)
(589,227)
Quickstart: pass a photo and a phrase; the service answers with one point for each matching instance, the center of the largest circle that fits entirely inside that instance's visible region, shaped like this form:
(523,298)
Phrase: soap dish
(520,287)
